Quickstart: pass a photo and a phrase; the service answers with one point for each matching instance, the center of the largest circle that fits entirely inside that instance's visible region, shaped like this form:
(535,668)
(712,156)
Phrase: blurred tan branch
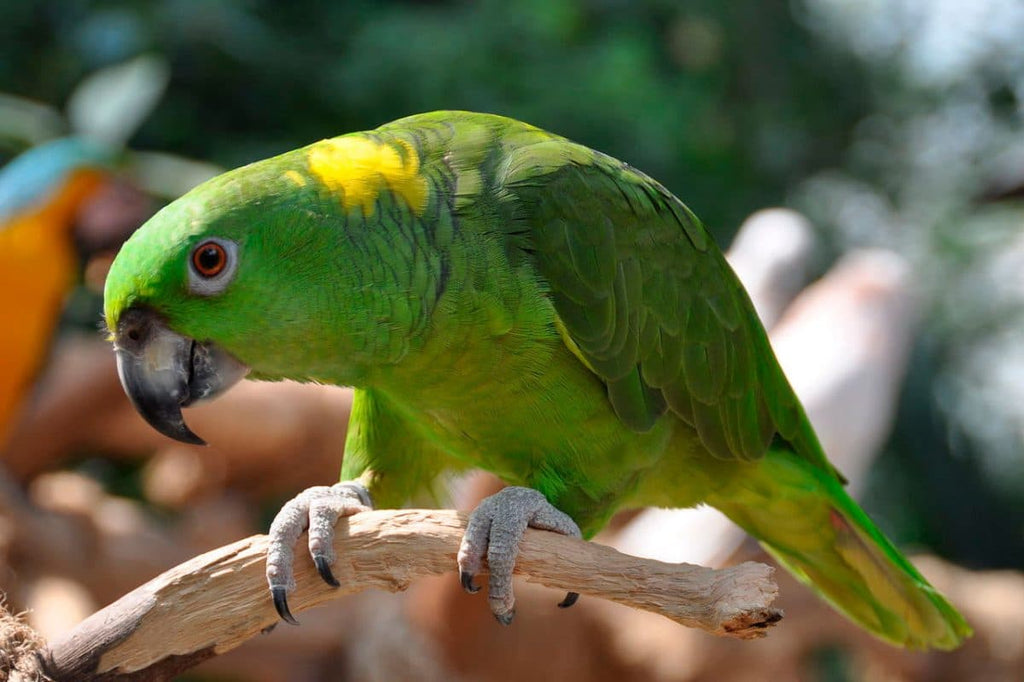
(218,600)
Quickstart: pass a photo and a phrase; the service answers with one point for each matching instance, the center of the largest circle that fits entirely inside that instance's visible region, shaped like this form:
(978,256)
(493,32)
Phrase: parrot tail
(804,518)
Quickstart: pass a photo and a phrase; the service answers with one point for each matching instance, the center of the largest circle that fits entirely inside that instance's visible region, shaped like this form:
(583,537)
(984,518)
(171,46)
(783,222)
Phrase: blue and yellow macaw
(42,192)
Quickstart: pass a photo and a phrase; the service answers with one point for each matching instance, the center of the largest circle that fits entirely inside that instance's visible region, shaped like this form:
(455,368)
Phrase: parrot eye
(211,266)
(209,259)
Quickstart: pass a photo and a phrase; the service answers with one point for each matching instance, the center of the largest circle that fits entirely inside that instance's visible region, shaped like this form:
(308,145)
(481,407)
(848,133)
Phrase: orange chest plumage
(37,267)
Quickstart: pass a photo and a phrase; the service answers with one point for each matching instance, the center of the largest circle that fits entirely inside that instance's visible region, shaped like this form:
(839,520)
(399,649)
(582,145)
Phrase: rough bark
(216,601)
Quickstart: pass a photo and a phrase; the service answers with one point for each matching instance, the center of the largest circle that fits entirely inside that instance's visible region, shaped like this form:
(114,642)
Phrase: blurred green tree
(728,104)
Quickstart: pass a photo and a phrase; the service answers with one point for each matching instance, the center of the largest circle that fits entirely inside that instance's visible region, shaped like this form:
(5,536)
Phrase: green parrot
(505,299)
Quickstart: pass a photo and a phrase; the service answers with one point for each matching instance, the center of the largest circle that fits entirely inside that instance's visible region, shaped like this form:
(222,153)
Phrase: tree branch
(216,601)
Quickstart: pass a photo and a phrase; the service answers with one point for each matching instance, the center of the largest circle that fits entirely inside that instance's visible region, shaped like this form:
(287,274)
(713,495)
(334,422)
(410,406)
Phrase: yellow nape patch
(358,169)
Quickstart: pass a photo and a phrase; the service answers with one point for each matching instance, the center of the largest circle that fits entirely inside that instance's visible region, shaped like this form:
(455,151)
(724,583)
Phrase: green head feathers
(513,301)
(266,252)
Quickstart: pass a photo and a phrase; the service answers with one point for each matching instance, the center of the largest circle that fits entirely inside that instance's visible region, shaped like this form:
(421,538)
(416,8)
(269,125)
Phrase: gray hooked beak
(163,371)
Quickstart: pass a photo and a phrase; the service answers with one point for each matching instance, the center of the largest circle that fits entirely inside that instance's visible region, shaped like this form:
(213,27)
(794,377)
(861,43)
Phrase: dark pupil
(209,259)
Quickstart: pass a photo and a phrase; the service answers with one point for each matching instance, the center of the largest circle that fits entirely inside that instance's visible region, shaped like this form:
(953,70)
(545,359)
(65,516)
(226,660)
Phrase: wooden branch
(218,600)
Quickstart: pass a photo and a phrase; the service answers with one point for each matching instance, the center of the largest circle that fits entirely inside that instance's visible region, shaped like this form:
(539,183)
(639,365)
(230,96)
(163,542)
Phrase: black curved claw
(570,599)
(281,605)
(324,569)
(467,584)
(505,618)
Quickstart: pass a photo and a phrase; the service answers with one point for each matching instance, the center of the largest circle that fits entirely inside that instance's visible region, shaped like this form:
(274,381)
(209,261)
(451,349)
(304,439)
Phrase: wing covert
(650,302)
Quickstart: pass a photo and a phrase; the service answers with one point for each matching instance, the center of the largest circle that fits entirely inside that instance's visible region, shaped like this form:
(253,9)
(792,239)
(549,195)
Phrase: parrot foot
(317,509)
(495,528)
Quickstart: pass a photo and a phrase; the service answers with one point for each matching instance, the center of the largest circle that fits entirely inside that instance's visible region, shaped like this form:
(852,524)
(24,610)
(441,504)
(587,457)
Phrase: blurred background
(891,131)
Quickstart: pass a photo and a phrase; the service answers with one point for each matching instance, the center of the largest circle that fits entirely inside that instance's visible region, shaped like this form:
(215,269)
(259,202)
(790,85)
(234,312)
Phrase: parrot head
(244,275)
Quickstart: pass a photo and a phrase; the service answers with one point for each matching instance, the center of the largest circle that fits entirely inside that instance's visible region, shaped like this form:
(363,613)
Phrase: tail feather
(805,519)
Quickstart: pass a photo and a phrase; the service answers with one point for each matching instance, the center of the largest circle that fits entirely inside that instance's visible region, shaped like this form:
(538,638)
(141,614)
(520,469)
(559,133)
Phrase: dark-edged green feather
(652,305)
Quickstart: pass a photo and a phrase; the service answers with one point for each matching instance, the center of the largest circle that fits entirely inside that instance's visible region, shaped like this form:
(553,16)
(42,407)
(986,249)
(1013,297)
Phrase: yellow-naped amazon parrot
(502,298)
(41,195)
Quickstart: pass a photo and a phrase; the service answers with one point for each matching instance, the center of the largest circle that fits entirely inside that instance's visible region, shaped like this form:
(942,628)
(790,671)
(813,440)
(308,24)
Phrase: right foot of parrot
(495,530)
(317,509)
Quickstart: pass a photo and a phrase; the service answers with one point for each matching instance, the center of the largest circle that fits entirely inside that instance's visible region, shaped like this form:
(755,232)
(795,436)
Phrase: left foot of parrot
(495,529)
(316,509)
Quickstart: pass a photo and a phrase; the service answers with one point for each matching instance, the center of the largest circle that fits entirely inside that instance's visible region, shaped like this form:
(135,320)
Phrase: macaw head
(70,187)
(37,176)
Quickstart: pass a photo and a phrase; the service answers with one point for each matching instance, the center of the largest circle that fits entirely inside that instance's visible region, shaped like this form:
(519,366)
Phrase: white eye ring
(211,266)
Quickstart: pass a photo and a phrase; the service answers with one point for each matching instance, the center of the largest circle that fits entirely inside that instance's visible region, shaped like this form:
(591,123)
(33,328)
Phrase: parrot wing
(647,301)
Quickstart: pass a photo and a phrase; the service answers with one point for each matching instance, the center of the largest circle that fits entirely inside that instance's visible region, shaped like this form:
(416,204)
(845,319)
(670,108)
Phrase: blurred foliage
(946,85)
(877,119)
(726,103)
